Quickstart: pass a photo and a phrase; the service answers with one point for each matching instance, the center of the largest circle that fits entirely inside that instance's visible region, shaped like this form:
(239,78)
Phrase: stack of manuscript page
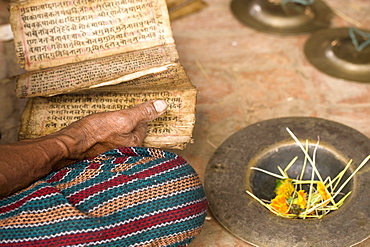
(180,8)
(88,56)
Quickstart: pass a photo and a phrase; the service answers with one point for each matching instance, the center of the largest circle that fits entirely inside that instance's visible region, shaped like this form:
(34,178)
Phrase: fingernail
(160,105)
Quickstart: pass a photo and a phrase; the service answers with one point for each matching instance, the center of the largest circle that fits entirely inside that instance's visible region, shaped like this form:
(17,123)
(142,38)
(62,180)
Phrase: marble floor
(243,76)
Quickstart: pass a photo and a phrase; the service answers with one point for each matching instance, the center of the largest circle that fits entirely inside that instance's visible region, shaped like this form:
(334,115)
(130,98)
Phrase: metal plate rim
(244,217)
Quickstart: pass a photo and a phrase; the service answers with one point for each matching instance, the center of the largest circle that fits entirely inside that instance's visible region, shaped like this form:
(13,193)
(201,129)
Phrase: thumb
(149,110)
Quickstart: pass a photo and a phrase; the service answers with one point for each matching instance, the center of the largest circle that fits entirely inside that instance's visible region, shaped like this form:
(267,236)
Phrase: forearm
(27,161)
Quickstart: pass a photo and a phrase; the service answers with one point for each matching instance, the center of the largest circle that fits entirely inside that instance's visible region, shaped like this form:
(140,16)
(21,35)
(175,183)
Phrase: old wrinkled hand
(24,162)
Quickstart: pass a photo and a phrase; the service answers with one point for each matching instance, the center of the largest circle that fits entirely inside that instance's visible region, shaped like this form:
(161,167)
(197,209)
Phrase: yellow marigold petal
(280,204)
(301,200)
(284,187)
(321,189)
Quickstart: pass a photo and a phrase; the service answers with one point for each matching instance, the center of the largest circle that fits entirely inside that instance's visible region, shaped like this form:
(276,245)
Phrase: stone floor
(243,76)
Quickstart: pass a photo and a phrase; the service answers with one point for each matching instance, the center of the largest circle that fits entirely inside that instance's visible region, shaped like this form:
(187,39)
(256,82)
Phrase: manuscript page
(180,8)
(45,115)
(104,71)
(56,32)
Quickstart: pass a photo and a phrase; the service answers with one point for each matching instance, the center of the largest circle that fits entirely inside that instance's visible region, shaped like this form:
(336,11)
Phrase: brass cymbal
(332,52)
(285,19)
(267,143)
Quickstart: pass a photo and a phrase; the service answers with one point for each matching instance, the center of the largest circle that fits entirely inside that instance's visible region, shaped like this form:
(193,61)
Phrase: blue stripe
(135,185)
(180,170)
(106,221)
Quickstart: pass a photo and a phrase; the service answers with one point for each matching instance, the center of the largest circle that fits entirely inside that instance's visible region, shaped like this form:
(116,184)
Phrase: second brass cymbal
(332,52)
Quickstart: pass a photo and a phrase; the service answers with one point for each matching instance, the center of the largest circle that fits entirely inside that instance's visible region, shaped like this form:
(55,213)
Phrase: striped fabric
(124,197)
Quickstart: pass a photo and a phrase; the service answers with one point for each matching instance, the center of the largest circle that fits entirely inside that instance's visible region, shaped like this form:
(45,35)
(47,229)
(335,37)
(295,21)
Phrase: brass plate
(288,19)
(228,176)
(331,51)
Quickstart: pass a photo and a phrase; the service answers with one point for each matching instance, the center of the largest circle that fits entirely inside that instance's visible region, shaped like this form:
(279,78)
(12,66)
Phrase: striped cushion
(124,197)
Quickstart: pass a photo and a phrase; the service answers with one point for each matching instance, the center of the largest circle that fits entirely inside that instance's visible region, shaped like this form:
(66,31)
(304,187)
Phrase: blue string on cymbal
(366,36)
(304,2)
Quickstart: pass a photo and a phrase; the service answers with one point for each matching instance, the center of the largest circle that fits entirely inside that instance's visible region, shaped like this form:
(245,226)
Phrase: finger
(139,134)
(134,138)
(148,111)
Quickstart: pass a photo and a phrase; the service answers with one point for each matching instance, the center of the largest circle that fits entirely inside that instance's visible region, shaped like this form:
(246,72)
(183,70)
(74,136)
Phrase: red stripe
(81,195)
(58,176)
(41,192)
(122,230)
(158,169)
(128,151)
(94,166)
(120,160)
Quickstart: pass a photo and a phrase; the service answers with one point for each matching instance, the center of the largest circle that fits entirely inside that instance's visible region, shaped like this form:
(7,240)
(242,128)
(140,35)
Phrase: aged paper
(172,78)
(180,8)
(173,5)
(45,115)
(91,56)
(92,73)
(56,32)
